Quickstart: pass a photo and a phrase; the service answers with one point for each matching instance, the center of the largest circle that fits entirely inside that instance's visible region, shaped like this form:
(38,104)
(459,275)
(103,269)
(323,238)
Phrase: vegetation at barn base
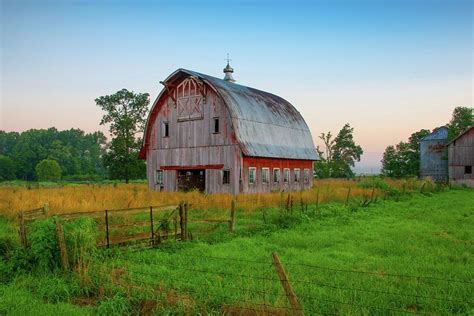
(228,269)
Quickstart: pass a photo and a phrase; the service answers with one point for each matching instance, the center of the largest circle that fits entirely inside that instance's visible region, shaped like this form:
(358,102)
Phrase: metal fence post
(107,227)
(151,227)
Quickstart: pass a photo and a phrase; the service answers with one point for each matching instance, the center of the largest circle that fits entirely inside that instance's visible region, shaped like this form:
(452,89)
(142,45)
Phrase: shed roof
(265,125)
(461,135)
(439,133)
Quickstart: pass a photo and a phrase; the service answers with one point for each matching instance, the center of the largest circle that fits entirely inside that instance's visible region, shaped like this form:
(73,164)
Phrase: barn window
(159,176)
(265,175)
(297,175)
(166,129)
(306,175)
(252,175)
(276,175)
(286,175)
(216,125)
(225,176)
(467,169)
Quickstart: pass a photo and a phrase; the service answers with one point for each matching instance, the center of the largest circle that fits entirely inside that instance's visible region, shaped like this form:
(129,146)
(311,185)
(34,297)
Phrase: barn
(433,157)
(217,136)
(461,158)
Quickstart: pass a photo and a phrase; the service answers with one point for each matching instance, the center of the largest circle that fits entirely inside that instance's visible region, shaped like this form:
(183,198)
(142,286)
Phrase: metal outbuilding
(218,136)
(433,156)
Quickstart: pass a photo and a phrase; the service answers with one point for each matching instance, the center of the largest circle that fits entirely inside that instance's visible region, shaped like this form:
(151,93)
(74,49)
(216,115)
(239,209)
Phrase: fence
(242,286)
(116,227)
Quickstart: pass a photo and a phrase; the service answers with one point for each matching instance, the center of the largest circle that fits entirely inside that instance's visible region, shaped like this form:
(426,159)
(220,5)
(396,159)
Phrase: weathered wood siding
(192,142)
(271,163)
(461,154)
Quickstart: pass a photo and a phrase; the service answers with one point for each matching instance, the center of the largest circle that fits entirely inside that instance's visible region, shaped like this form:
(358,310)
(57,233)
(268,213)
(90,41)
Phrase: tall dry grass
(97,197)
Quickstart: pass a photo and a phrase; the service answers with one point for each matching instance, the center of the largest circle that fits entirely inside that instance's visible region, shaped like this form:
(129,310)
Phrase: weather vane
(228,59)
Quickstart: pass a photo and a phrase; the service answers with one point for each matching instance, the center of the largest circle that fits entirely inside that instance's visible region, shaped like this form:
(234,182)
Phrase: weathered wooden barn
(216,136)
(433,155)
(461,158)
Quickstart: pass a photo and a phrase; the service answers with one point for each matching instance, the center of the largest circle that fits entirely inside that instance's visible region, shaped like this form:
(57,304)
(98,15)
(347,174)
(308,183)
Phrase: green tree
(48,170)
(403,159)
(339,156)
(462,118)
(7,168)
(125,111)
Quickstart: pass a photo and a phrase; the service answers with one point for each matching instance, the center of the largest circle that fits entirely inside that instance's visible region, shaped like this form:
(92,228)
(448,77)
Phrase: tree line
(50,155)
(403,159)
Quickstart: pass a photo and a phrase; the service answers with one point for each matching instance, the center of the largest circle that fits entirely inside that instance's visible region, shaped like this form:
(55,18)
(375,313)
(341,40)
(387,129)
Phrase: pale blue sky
(387,67)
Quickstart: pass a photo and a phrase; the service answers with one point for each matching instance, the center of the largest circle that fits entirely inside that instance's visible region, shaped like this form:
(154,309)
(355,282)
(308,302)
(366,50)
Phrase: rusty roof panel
(265,124)
(439,133)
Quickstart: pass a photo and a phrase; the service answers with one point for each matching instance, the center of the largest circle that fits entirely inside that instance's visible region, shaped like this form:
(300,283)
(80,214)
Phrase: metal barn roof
(439,133)
(265,125)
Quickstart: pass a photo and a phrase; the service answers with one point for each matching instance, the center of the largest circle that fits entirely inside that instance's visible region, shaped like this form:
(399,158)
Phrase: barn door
(192,180)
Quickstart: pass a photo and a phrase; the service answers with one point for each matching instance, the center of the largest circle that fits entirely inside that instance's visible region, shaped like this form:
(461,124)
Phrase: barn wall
(272,163)
(461,154)
(192,143)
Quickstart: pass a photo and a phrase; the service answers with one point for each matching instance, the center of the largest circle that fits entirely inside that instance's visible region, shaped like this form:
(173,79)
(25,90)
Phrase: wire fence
(233,285)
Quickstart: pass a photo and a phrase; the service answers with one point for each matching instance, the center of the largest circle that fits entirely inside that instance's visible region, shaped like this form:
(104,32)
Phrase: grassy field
(410,256)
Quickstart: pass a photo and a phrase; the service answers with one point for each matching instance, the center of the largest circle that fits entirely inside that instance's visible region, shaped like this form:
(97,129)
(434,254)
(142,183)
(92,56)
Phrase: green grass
(422,235)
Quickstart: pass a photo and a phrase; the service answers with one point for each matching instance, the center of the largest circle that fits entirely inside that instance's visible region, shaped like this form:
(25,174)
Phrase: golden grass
(98,197)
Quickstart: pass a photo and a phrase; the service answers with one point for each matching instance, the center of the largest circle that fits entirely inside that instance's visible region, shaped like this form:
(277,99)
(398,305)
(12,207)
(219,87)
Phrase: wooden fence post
(186,220)
(45,209)
(232,216)
(151,227)
(372,195)
(317,200)
(23,238)
(107,227)
(181,220)
(175,222)
(290,293)
(62,245)
(348,195)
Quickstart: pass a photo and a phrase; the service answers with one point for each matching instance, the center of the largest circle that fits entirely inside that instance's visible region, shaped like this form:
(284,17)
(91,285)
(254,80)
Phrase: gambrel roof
(265,125)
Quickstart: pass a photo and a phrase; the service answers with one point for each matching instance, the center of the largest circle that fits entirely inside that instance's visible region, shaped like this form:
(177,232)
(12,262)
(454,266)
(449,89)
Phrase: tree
(462,118)
(7,168)
(48,170)
(340,155)
(125,111)
(403,159)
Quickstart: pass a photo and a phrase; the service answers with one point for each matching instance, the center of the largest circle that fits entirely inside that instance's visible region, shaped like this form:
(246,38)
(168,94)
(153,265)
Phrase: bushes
(48,170)
(373,182)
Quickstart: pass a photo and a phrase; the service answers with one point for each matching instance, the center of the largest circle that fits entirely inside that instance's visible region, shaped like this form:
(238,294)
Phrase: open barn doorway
(194,179)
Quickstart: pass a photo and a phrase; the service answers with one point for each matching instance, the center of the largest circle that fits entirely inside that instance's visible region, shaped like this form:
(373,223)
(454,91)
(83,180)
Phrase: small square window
(306,175)
(159,176)
(276,175)
(297,175)
(252,175)
(166,129)
(286,175)
(467,169)
(265,175)
(216,125)
(225,176)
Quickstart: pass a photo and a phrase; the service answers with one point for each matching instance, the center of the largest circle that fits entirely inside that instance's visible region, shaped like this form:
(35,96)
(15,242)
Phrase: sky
(389,68)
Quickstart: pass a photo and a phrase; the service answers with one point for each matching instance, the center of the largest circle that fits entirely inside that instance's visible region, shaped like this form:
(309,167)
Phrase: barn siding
(461,154)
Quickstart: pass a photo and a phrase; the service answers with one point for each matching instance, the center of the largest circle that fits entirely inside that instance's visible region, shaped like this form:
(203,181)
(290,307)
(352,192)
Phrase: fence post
(23,237)
(151,227)
(186,220)
(107,227)
(62,245)
(372,195)
(348,195)
(181,219)
(232,216)
(45,209)
(301,202)
(290,294)
(175,222)
(317,200)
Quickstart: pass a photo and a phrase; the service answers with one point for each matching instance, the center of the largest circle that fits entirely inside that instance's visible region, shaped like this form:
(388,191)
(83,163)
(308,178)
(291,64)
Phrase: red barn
(217,136)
